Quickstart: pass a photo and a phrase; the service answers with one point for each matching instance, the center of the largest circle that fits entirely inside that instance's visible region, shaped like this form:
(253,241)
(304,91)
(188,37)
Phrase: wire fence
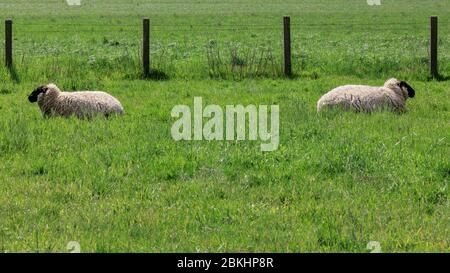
(382,27)
(308,38)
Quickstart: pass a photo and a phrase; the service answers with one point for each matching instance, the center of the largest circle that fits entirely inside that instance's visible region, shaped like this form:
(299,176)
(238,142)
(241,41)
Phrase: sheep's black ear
(43,89)
(411,92)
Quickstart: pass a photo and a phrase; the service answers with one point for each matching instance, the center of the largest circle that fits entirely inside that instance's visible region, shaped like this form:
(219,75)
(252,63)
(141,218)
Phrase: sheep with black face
(361,98)
(85,104)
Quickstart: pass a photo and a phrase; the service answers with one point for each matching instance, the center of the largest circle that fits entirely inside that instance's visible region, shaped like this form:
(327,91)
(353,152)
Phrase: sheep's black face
(409,89)
(33,97)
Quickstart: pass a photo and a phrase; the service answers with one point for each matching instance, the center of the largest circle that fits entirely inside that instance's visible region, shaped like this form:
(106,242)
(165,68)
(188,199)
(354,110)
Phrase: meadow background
(338,180)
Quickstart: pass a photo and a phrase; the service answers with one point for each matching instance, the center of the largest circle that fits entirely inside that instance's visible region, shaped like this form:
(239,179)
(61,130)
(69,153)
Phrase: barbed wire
(190,30)
(347,23)
(214,28)
(209,28)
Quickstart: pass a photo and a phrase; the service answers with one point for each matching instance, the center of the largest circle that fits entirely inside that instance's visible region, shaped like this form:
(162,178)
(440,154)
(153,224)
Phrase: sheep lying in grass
(86,104)
(367,99)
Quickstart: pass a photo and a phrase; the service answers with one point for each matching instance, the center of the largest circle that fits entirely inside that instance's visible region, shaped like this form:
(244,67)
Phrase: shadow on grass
(157,75)
(13,74)
(439,78)
(442,78)
(296,76)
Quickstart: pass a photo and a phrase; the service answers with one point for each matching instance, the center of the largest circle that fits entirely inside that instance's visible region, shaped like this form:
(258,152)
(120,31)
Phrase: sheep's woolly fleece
(85,104)
(362,98)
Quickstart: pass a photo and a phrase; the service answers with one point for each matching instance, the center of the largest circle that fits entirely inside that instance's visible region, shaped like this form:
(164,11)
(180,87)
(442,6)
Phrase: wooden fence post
(146,47)
(434,46)
(287,46)
(8,43)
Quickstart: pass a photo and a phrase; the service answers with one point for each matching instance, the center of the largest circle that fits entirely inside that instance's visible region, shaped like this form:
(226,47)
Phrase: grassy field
(337,181)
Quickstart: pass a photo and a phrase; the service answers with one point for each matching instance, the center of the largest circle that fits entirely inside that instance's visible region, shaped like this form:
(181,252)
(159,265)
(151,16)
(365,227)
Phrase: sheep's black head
(33,97)
(405,86)
(402,86)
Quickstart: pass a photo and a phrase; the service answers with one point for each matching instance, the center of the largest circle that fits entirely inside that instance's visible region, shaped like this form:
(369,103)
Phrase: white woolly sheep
(362,98)
(85,104)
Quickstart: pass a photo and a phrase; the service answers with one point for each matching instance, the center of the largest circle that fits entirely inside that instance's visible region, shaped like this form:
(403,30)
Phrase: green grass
(337,181)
